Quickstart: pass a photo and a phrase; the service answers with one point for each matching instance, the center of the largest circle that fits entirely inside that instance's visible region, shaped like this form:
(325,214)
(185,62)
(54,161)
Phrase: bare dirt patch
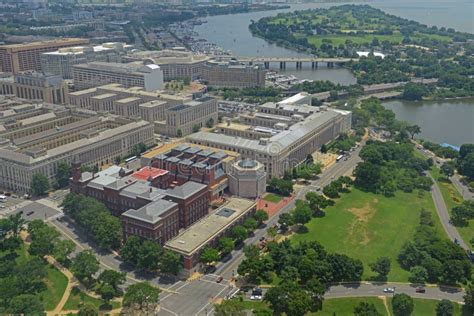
(358,230)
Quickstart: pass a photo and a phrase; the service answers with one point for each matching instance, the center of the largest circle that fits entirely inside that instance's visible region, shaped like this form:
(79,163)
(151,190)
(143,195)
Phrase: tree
(466,166)
(418,274)
(302,213)
(226,245)
(85,265)
(414,91)
(209,255)
(179,133)
(402,305)
(112,278)
(39,184)
(171,262)
(239,233)
(26,304)
(210,123)
(324,148)
(88,309)
(16,223)
(447,169)
(196,128)
(107,293)
(381,266)
(469,297)
(413,130)
(142,295)
(129,251)
(148,257)
(366,309)
(62,250)
(260,216)
(286,220)
(43,238)
(63,173)
(251,224)
(445,308)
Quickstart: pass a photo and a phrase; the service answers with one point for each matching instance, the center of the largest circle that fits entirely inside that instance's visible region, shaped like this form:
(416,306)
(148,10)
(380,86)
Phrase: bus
(339,158)
(130,159)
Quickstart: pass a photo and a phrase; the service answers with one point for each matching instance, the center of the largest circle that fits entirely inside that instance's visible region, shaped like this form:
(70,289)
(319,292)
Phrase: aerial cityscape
(230,158)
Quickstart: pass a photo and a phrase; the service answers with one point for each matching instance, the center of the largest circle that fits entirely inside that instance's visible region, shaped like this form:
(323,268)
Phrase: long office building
(283,146)
(60,62)
(34,138)
(35,86)
(186,65)
(17,58)
(137,74)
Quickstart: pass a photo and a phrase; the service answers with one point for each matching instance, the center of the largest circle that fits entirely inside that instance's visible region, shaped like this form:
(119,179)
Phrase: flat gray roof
(186,190)
(197,235)
(152,212)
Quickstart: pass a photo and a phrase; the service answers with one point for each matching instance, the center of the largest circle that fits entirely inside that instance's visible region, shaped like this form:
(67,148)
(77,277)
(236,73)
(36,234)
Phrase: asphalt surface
(462,188)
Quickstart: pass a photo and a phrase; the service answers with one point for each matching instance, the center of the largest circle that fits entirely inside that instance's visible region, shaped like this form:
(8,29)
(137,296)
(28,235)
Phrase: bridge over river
(298,60)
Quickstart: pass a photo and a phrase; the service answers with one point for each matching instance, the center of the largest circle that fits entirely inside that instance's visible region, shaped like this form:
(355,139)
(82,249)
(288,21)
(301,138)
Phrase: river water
(448,121)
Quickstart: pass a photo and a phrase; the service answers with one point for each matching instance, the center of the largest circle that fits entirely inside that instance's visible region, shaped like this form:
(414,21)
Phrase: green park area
(78,298)
(367,226)
(55,282)
(272,197)
(453,198)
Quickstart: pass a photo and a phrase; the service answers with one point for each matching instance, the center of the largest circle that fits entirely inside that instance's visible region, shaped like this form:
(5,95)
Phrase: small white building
(299,98)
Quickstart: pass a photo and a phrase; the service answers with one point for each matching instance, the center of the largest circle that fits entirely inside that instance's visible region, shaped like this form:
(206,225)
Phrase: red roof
(146,172)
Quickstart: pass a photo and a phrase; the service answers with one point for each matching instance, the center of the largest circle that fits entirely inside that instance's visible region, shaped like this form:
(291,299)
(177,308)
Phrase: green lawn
(77,298)
(367,226)
(56,282)
(272,197)
(345,306)
(428,307)
(453,198)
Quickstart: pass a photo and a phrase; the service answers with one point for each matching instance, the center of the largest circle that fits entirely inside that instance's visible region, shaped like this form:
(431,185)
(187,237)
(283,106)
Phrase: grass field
(77,298)
(345,306)
(367,226)
(453,198)
(274,198)
(56,282)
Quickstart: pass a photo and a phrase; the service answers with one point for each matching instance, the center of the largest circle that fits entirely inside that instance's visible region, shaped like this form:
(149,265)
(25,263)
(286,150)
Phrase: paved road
(462,188)
(441,207)
(443,214)
(376,289)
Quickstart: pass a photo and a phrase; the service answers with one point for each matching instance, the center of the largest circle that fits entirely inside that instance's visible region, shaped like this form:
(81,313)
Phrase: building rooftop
(152,212)
(193,238)
(147,173)
(41,43)
(186,190)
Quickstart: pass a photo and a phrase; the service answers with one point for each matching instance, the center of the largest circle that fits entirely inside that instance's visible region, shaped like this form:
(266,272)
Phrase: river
(448,121)
(444,121)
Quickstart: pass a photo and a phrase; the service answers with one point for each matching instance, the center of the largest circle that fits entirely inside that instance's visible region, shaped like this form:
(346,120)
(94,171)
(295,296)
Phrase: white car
(389,290)
(256,297)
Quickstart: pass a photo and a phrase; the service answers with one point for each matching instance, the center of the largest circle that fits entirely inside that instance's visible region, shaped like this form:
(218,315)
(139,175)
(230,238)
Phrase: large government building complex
(280,136)
(34,138)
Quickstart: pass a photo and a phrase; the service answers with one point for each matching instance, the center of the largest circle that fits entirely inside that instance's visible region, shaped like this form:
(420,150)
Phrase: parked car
(420,289)
(29,213)
(257,294)
(389,290)
(219,279)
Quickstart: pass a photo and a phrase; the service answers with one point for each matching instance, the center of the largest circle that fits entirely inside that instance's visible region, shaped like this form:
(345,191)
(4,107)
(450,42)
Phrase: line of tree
(94,219)
(239,233)
(431,258)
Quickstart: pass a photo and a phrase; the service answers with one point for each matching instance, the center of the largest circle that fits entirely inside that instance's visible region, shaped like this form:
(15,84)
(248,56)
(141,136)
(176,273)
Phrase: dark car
(29,213)
(420,289)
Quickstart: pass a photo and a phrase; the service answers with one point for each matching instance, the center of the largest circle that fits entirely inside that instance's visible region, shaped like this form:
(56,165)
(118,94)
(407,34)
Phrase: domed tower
(247,178)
